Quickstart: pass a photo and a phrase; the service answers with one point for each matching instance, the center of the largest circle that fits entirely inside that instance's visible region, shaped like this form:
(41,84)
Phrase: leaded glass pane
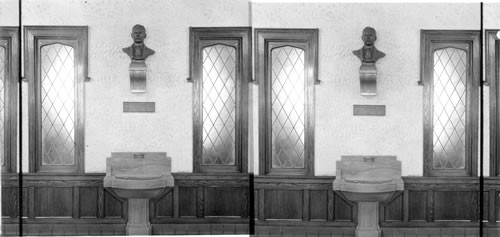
(219,105)
(449,118)
(2,102)
(58,104)
(288,107)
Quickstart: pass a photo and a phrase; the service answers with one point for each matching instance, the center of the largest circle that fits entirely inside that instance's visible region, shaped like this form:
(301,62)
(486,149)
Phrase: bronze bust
(138,50)
(368,53)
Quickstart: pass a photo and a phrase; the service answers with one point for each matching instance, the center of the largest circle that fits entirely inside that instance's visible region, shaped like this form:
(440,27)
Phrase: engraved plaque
(138,107)
(369,110)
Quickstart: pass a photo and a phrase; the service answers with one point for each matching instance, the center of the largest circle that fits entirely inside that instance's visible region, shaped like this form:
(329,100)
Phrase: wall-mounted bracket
(368,79)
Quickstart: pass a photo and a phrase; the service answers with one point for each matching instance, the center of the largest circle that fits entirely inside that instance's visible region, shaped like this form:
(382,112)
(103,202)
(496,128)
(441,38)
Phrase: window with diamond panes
(219,105)
(220,73)
(286,66)
(288,107)
(492,71)
(58,104)
(8,97)
(450,130)
(3,62)
(56,70)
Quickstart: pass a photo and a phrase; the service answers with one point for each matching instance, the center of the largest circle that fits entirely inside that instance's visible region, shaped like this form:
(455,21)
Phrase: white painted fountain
(138,177)
(368,180)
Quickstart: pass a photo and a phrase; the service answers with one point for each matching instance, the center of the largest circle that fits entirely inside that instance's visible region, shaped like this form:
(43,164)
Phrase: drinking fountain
(138,177)
(368,180)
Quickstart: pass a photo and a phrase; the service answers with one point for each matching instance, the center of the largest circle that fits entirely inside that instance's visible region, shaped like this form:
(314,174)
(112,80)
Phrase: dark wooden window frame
(11,36)
(33,35)
(214,36)
(306,39)
(492,48)
(427,39)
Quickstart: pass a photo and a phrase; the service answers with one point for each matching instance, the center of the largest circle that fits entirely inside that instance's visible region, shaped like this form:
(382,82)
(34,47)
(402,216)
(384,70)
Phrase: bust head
(369,36)
(138,34)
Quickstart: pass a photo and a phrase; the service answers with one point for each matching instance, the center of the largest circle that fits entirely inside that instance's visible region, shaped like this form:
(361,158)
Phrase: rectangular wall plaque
(369,110)
(138,107)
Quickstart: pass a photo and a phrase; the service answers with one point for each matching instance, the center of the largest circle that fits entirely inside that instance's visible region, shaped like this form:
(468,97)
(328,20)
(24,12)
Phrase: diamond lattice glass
(2,102)
(450,73)
(58,104)
(219,105)
(288,107)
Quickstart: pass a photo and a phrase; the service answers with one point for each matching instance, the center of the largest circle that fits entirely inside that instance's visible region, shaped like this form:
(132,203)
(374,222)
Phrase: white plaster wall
(107,128)
(9,12)
(398,29)
(491,20)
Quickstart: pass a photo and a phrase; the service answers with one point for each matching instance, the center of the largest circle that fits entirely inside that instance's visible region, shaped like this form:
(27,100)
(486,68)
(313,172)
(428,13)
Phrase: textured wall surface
(9,13)
(398,30)
(167,23)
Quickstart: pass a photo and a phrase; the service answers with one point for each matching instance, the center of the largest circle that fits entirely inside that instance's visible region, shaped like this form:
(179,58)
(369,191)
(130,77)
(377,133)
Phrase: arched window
(56,70)
(450,76)
(286,68)
(220,71)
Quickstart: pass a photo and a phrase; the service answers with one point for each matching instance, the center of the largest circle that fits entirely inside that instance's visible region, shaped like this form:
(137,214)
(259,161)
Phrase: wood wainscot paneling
(203,204)
(219,204)
(62,204)
(491,202)
(301,206)
(429,206)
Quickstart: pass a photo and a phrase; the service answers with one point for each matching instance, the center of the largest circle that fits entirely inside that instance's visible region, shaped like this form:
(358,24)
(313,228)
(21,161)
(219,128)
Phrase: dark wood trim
(293,223)
(31,202)
(306,215)
(100,202)
(266,40)
(331,206)
(76,203)
(211,220)
(421,224)
(491,206)
(492,56)
(241,39)
(9,40)
(261,199)
(35,37)
(434,39)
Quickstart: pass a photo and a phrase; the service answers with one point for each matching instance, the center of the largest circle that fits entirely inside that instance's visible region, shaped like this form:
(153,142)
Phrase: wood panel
(496,209)
(187,202)
(318,199)
(343,211)
(10,202)
(200,229)
(164,207)
(451,205)
(221,201)
(88,202)
(485,209)
(417,202)
(53,202)
(392,211)
(283,204)
(112,206)
(431,232)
